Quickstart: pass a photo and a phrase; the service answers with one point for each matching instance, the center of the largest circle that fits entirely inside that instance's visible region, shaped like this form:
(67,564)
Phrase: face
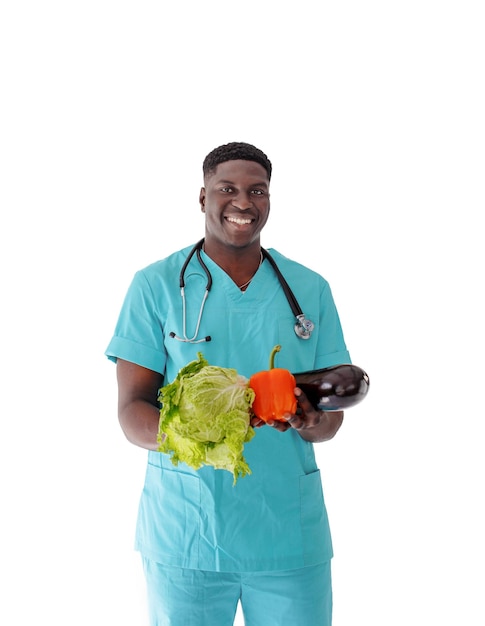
(235,201)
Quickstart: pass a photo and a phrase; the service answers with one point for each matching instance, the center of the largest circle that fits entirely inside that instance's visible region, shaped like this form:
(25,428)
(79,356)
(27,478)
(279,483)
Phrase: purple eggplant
(334,388)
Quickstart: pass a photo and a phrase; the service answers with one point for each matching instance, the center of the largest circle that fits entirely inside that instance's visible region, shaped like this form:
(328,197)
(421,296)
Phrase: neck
(239,263)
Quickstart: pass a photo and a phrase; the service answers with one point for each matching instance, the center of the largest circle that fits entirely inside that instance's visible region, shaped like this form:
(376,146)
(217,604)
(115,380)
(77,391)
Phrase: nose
(242,201)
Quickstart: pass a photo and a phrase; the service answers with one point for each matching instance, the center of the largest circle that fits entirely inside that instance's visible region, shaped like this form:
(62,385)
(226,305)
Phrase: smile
(239,220)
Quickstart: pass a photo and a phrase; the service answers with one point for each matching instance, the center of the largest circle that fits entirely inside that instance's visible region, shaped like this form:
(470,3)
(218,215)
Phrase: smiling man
(207,543)
(235,200)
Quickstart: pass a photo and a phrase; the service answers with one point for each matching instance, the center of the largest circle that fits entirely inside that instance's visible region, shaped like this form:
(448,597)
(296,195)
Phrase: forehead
(239,170)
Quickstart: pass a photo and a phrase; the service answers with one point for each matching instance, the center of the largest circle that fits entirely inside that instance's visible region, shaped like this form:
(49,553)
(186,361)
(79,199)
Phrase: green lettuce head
(204,419)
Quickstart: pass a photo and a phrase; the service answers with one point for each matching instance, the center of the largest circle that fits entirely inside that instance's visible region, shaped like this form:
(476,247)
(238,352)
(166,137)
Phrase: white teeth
(239,220)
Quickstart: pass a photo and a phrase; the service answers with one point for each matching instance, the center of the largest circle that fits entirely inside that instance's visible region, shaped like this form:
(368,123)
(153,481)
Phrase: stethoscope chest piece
(303,327)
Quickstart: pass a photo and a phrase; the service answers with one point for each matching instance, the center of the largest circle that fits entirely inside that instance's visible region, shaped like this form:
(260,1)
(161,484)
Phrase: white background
(372,114)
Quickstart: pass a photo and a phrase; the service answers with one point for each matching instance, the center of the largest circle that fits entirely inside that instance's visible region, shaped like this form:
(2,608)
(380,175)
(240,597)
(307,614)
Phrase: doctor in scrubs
(205,543)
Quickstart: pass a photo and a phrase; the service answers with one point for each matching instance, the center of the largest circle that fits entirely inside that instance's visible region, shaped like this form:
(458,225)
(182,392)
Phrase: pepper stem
(272,356)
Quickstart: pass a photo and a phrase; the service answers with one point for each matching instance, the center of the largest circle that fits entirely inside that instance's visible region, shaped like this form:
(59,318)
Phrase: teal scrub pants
(184,597)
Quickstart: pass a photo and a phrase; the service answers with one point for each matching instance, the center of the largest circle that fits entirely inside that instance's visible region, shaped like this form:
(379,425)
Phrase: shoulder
(294,270)
(168,265)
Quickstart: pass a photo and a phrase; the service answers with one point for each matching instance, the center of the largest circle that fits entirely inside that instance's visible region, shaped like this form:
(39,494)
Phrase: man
(206,543)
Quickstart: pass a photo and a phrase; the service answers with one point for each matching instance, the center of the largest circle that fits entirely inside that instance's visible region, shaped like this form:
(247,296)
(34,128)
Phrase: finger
(294,421)
(303,402)
(302,419)
(278,425)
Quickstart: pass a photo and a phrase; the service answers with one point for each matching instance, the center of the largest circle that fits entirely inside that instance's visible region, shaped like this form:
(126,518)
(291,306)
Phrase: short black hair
(234,151)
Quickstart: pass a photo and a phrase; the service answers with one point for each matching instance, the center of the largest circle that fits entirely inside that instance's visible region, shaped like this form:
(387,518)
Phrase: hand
(305,412)
(310,423)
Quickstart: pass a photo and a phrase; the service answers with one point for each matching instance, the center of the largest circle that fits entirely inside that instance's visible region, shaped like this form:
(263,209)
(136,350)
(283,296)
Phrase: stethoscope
(303,327)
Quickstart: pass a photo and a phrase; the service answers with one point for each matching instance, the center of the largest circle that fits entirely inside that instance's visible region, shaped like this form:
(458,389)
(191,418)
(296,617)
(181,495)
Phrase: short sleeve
(331,349)
(138,335)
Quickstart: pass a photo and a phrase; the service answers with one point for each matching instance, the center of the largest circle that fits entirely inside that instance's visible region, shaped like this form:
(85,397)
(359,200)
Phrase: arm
(138,410)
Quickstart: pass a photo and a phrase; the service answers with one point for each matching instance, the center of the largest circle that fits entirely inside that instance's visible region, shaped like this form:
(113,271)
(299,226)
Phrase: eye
(226,189)
(258,192)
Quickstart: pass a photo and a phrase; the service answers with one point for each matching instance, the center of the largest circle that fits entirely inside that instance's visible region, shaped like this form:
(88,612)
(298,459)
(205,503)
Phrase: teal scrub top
(275,518)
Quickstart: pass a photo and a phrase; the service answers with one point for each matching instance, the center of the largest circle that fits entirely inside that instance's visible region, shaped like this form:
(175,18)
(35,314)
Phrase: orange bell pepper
(274,391)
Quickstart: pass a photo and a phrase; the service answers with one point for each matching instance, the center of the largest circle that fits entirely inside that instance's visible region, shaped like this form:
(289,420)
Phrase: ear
(202,199)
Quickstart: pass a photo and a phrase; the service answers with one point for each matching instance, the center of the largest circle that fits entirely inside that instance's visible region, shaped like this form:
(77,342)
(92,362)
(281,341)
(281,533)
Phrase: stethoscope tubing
(303,327)
(290,296)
